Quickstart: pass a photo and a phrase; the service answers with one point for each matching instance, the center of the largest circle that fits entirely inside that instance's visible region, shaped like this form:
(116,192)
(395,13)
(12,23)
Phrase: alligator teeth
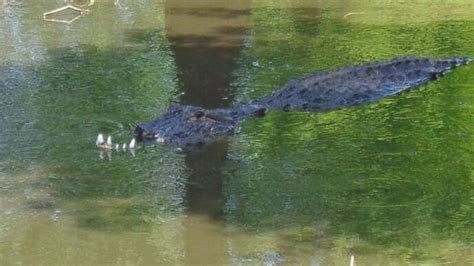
(159,139)
(100,140)
(109,141)
(116,147)
(132,144)
(124,147)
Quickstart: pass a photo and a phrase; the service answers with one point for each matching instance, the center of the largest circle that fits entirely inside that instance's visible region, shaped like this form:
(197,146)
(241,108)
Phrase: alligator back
(357,85)
(183,125)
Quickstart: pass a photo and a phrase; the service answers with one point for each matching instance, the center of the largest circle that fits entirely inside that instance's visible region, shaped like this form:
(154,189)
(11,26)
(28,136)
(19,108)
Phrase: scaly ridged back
(183,125)
(357,85)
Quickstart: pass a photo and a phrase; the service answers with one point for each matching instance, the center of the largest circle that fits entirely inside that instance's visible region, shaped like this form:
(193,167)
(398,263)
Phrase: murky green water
(389,183)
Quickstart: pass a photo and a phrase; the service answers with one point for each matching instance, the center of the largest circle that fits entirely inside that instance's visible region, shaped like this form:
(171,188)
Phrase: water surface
(389,183)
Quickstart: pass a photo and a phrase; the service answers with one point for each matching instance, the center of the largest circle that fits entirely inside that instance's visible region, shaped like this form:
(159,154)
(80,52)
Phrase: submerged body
(183,125)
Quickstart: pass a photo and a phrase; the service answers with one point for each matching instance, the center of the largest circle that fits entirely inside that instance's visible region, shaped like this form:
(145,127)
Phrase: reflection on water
(390,182)
(206,41)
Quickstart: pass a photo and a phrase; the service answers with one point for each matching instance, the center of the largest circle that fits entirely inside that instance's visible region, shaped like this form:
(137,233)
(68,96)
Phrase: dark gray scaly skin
(183,125)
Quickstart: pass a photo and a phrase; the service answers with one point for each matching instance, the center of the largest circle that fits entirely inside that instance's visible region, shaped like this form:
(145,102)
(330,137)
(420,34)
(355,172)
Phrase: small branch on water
(62,20)
(57,10)
(352,14)
(80,9)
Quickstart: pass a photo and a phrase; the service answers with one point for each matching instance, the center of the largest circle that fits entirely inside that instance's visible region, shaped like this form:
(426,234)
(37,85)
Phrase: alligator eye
(199,114)
(260,112)
(140,133)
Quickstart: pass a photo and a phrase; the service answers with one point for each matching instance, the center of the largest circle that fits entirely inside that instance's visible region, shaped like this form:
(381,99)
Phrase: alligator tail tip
(459,61)
(464,61)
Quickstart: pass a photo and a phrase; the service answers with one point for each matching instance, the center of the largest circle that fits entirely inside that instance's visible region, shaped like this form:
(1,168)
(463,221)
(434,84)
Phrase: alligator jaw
(141,134)
(109,146)
(102,144)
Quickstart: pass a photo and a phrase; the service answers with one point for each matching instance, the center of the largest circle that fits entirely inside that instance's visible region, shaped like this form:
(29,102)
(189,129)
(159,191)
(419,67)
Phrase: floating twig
(68,6)
(62,20)
(77,8)
(352,14)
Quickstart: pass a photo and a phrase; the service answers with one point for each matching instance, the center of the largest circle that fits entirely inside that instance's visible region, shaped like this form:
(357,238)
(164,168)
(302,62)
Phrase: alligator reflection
(205,56)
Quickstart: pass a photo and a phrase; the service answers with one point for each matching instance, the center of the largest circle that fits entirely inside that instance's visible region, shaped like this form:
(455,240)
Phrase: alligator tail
(357,85)
(446,65)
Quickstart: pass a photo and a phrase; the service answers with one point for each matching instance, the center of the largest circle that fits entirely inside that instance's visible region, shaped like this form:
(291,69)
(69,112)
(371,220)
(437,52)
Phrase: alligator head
(183,125)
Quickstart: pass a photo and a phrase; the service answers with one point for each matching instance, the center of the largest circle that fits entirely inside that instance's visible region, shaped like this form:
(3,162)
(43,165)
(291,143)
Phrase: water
(390,182)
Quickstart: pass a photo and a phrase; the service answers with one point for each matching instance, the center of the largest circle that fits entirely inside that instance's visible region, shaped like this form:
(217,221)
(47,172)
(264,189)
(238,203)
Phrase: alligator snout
(141,133)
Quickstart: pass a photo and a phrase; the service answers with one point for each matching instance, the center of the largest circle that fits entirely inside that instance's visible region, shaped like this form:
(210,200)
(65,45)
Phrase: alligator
(185,125)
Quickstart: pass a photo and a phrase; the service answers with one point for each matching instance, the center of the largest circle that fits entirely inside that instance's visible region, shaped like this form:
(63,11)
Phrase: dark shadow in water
(204,187)
(206,43)
(206,58)
(205,72)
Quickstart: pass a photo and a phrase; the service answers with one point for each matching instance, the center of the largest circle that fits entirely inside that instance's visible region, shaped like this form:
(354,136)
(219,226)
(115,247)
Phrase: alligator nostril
(139,133)
(198,114)
(260,112)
